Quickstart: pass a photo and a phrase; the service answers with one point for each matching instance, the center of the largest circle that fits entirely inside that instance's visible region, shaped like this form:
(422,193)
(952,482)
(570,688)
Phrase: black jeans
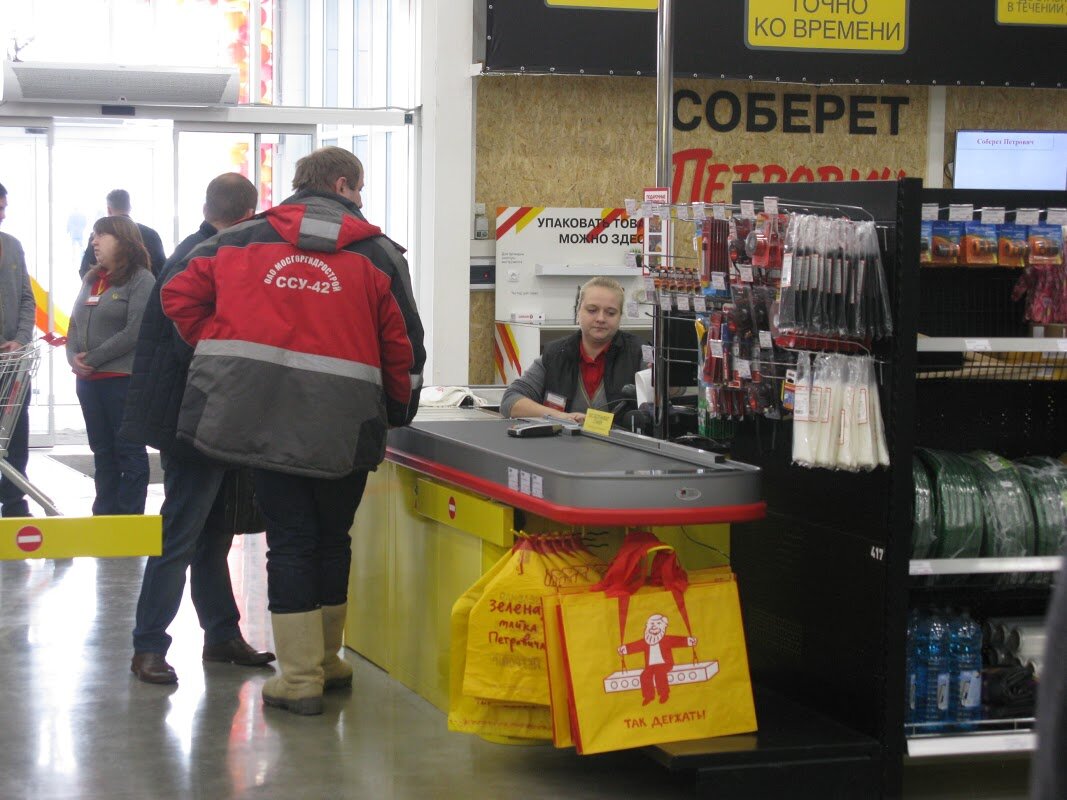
(121,467)
(195,539)
(12,498)
(309,549)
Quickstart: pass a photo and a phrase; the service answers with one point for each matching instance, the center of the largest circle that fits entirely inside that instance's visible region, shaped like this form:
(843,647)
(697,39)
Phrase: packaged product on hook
(871,448)
(792,275)
(853,445)
(829,376)
(879,321)
(803,425)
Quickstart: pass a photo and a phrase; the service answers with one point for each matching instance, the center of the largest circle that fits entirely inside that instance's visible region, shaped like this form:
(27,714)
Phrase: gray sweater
(16,294)
(107,332)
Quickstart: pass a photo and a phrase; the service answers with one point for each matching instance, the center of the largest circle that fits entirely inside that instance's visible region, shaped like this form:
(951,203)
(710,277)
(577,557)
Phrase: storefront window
(325,53)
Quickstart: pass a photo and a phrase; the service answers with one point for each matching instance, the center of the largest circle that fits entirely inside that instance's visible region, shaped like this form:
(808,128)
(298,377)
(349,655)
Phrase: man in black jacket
(194,534)
(118,205)
(1048,769)
(585,370)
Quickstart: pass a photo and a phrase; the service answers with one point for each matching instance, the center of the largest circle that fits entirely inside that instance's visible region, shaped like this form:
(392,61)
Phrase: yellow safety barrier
(60,319)
(466,511)
(68,537)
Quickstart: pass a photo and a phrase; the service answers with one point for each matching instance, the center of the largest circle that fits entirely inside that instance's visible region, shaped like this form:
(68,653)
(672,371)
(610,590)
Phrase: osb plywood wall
(585,141)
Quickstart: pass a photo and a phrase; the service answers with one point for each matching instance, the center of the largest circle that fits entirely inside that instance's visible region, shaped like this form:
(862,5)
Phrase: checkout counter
(455,487)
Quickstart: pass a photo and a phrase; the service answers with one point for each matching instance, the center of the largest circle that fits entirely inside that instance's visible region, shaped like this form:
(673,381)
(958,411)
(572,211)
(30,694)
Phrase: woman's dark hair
(132,254)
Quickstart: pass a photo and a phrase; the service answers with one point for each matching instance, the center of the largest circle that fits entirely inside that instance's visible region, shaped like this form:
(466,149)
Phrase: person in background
(195,537)
(118,205)
(17,307)
(100,342)
(585,370)
(308,348)
(76,229)
(1048,769)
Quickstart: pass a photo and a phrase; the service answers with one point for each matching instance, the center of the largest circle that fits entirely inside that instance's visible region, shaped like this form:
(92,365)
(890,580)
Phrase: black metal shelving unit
(825,579)
(1008,402)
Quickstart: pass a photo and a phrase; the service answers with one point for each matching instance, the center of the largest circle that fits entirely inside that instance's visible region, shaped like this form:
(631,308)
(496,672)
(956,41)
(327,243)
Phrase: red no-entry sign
(29,538)
(451,508)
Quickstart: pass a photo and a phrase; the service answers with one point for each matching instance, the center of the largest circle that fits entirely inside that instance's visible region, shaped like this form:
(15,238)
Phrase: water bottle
(915,669)
(939,709)
(965,648)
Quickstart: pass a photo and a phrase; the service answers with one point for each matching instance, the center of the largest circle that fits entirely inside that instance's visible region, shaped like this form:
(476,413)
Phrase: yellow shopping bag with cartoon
(657,659)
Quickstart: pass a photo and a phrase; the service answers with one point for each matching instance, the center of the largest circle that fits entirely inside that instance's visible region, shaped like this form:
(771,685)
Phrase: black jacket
(152,243)
(561,362)
(160,364)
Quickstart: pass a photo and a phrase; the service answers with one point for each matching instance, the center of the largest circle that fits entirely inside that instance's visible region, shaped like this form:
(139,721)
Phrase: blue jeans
(121,466)
(196,539)
(309,549)
(12,498)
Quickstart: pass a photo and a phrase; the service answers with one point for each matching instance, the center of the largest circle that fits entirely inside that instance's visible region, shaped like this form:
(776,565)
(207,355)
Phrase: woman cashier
(585,370)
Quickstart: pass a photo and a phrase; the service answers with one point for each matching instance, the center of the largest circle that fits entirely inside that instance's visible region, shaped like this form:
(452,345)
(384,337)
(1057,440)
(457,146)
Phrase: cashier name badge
(556,401)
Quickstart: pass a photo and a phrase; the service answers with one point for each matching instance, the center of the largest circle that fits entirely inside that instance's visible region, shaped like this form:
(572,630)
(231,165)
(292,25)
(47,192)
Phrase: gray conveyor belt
(580,471)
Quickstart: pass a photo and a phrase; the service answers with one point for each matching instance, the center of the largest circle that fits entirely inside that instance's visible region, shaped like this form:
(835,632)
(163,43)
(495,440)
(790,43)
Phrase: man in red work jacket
(308,347)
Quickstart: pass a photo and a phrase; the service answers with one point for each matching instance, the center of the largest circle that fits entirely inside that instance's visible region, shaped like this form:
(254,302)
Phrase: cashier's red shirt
(592,370)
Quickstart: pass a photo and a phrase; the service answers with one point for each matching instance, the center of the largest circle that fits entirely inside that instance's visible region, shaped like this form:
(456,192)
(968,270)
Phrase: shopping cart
(17,367)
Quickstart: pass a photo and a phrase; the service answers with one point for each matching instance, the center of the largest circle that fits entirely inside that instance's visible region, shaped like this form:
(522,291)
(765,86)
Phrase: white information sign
(544,254)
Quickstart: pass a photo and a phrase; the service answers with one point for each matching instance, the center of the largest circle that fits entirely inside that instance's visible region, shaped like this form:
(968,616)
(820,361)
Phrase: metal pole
(664,119)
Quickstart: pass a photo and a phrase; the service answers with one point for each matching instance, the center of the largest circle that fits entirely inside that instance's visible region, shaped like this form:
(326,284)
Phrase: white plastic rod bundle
(805,414)
(830,377)
(874,401)
(837,415)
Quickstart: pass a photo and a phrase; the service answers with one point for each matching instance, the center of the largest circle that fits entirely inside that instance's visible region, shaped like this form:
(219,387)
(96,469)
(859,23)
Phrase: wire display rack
(17,368)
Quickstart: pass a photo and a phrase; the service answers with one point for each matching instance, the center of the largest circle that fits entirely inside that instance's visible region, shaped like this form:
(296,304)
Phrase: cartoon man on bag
(657,647)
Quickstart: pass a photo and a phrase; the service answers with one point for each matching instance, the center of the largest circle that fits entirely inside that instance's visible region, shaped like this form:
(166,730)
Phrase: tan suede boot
(336,673)
(298,640)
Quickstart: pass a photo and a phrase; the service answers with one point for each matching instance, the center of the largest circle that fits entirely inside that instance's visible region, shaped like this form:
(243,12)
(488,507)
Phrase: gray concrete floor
(76,724)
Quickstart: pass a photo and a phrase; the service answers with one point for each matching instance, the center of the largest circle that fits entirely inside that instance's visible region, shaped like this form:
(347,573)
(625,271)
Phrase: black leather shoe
(237,651)
(153,668)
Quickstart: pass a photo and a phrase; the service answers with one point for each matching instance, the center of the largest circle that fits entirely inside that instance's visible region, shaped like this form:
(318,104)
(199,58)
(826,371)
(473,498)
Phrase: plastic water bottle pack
(944,672)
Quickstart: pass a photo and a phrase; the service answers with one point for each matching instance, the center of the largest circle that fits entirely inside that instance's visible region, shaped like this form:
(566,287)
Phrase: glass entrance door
(266,155)
(25,156)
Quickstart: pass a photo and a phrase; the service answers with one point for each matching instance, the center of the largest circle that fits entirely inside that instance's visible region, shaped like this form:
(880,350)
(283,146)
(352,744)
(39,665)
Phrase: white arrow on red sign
(451,508)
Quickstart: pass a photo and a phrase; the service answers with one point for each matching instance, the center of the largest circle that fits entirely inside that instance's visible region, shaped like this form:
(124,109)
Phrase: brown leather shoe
(237,651)
(153,668)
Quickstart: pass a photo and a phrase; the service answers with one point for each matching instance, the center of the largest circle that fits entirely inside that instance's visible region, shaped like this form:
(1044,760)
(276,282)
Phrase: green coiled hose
(1009,522)
(1046,482)
(959,524)
(922,536)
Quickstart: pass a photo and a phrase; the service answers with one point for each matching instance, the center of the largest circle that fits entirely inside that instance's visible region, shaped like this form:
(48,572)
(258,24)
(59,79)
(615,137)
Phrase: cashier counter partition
(444,507)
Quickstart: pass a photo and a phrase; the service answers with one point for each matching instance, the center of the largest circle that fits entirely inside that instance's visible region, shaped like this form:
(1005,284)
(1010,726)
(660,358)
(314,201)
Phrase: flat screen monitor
(1011,160)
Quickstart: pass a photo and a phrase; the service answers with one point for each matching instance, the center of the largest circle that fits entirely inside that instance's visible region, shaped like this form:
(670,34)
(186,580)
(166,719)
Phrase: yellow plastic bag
(477,715)
(505,637)
(649,664)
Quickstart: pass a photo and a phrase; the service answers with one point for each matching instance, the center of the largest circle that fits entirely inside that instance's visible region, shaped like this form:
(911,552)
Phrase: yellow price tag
(598,422)
(1021,12)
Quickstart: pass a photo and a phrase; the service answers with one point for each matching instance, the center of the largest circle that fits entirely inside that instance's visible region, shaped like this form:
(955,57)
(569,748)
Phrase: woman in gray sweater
(100,345)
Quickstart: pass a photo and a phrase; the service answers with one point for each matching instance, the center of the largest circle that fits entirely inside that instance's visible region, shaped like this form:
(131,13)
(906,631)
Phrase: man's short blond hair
(320,169)
(600,282)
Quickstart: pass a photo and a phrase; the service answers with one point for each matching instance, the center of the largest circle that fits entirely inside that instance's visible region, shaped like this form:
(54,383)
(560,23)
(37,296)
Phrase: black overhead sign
(944,42)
